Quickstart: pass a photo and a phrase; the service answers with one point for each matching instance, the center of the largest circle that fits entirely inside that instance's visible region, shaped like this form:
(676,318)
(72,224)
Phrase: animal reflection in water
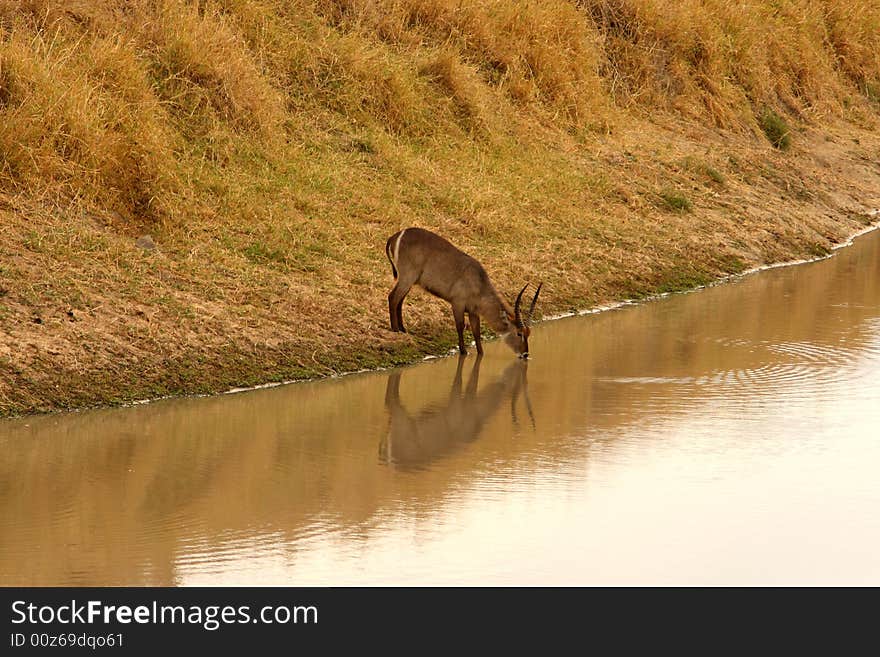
(414,440)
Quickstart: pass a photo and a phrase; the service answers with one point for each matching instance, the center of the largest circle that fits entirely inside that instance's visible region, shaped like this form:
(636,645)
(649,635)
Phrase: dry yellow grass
(610,147)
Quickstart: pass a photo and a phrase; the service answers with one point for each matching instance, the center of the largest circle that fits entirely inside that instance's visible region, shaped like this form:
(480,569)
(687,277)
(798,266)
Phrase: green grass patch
(701,168)
(259,253)
(732,264)
(682,281)
(818,250)
(675,201)
(776,129)
(715,175)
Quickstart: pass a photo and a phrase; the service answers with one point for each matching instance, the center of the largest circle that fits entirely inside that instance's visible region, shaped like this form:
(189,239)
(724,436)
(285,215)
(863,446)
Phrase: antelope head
(518,338)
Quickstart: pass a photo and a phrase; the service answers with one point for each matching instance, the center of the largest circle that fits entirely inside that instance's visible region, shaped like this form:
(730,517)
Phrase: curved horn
(517,314)
(532,307)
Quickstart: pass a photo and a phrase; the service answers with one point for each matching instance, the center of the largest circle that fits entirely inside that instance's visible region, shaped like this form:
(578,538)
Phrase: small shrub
(776,129)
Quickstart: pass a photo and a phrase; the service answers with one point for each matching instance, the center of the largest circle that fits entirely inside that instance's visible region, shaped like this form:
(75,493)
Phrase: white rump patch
(397,248)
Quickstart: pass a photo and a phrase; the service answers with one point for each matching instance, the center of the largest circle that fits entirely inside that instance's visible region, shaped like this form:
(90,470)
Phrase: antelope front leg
(458,314)
(475,329)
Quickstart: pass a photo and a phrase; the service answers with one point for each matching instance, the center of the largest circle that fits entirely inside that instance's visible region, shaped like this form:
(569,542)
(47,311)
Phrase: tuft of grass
(732,264)
(675,201)
(776,129)
(697,166)
(715,175)
(446,70)
(260,253)
(818,250)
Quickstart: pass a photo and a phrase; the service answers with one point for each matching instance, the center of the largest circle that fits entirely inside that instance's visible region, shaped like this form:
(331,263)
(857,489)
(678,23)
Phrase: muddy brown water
(725,436)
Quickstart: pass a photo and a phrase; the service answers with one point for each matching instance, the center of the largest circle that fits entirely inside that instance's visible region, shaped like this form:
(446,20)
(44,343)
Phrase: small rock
(145,242)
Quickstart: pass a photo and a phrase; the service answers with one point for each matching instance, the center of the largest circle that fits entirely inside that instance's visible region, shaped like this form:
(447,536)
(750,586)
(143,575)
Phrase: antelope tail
(388,254)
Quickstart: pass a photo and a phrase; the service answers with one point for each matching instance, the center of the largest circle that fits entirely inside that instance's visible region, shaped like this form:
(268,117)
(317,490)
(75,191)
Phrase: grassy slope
(610,148)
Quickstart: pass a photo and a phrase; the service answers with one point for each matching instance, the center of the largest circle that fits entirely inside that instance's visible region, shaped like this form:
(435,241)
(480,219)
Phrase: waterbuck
(421,257)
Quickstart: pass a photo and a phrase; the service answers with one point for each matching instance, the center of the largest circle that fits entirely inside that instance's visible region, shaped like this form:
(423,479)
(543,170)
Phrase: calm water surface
(727,436)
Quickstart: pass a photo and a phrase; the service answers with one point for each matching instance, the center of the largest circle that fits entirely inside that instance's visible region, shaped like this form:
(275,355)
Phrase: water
(727,436)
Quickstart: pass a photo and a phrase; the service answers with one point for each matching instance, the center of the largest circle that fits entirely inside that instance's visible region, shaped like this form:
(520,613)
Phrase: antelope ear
(510,318)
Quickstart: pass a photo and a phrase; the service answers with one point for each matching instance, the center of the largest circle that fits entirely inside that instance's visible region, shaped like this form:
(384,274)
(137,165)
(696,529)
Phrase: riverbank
(268,184)
(118,350)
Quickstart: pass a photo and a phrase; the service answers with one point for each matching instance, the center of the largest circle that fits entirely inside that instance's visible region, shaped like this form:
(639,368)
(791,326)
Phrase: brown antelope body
(420,257)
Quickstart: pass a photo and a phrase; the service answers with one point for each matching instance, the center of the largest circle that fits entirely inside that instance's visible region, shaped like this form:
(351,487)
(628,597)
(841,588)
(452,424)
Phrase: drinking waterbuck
(421,257)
